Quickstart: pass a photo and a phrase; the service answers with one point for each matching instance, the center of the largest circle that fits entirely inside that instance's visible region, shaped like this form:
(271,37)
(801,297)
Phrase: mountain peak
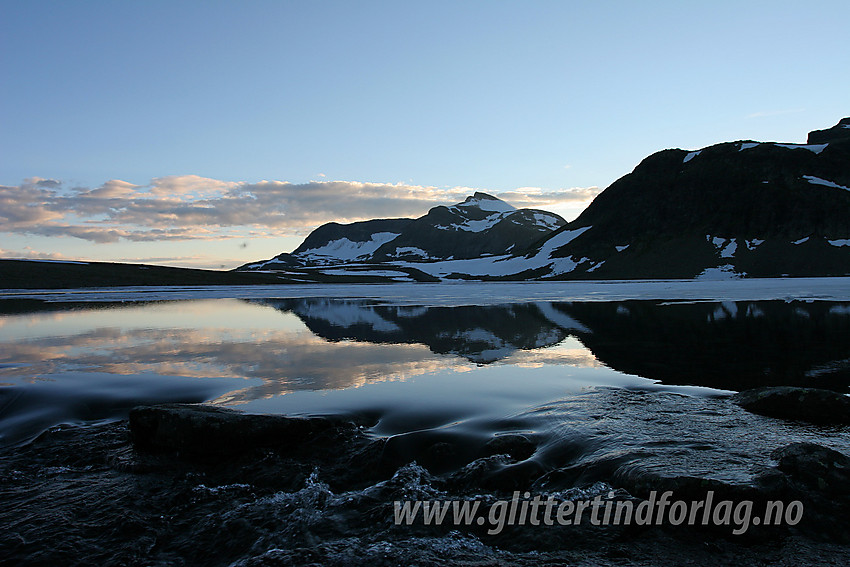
(839,132)
(486,202)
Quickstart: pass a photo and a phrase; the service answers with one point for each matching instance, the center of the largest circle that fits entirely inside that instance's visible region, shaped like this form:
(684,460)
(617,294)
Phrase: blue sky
(215,133)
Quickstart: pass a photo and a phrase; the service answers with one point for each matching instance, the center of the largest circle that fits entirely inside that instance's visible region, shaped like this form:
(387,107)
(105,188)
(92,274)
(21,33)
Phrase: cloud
(535,197)
(769,113)
(114,189)
(190,207)
(30,254)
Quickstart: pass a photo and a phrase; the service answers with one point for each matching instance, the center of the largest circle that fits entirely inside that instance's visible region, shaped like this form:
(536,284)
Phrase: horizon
(209,136)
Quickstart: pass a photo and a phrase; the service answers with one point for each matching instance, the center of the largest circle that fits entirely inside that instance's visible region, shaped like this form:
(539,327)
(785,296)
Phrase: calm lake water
(422,364)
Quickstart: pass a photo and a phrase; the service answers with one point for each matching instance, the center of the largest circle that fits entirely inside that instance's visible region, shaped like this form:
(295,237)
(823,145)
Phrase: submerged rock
(210,430)
(815,466)
(517,446)
(807,404)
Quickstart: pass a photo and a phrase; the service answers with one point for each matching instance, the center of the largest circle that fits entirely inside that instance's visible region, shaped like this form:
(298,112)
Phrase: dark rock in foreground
(306,507)
(209,430)
(820,468)
(806,404)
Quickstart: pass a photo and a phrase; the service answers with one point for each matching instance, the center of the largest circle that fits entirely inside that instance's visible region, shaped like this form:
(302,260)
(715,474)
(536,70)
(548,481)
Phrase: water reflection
(459,357)
(481,334)
(728,345)
(325,344)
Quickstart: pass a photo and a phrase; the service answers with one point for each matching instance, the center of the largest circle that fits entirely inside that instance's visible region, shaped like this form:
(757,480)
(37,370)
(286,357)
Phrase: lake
(603,379)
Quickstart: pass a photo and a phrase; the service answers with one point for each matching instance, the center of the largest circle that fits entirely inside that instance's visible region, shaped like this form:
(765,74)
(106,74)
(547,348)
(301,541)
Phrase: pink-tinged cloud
(191,207)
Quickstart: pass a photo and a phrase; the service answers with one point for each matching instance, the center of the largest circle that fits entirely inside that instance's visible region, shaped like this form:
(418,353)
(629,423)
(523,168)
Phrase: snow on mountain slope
(345,249)
(487,202)
(818,181)
(507,265)
(480,226)
(760,209)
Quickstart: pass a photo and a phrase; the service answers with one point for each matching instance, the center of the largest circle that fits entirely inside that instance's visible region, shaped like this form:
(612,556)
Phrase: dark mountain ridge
(764,209)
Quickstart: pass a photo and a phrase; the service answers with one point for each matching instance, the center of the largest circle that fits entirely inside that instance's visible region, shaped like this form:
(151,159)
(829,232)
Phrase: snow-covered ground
(482,293)
(345,249)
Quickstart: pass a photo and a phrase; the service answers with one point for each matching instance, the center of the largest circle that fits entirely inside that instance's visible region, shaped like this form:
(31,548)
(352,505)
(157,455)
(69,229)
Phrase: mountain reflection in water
(319,355)
(729,345)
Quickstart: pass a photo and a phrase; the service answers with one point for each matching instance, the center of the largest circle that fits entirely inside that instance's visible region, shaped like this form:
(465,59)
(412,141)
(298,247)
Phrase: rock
(517,446)
(819,468)
(210,430)
(806,404)
(642,482)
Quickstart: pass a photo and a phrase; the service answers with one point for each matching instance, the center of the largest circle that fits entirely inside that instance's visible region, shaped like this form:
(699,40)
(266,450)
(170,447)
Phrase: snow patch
(691,156)
(561,239)
(801,240)
(725,272)
(491,205)
(816,148)
(754,243)
(748,146)
(729,250)
(506,265)
(378,273)
(480,225)
(840,242)
(818,181)
(546,221)
(621,248)
(566,265)
(405,250)
(727,246)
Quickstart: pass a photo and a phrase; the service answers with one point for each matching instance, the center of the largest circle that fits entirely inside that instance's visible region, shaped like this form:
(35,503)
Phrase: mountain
(480,226)
(735,209)
(740,208)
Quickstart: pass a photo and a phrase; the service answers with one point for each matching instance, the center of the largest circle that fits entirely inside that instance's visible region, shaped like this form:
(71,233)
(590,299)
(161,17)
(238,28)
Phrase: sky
(211,134)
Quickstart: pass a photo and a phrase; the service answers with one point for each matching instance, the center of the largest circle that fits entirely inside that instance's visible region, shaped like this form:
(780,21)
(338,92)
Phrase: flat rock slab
(807,404)
(211,430)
